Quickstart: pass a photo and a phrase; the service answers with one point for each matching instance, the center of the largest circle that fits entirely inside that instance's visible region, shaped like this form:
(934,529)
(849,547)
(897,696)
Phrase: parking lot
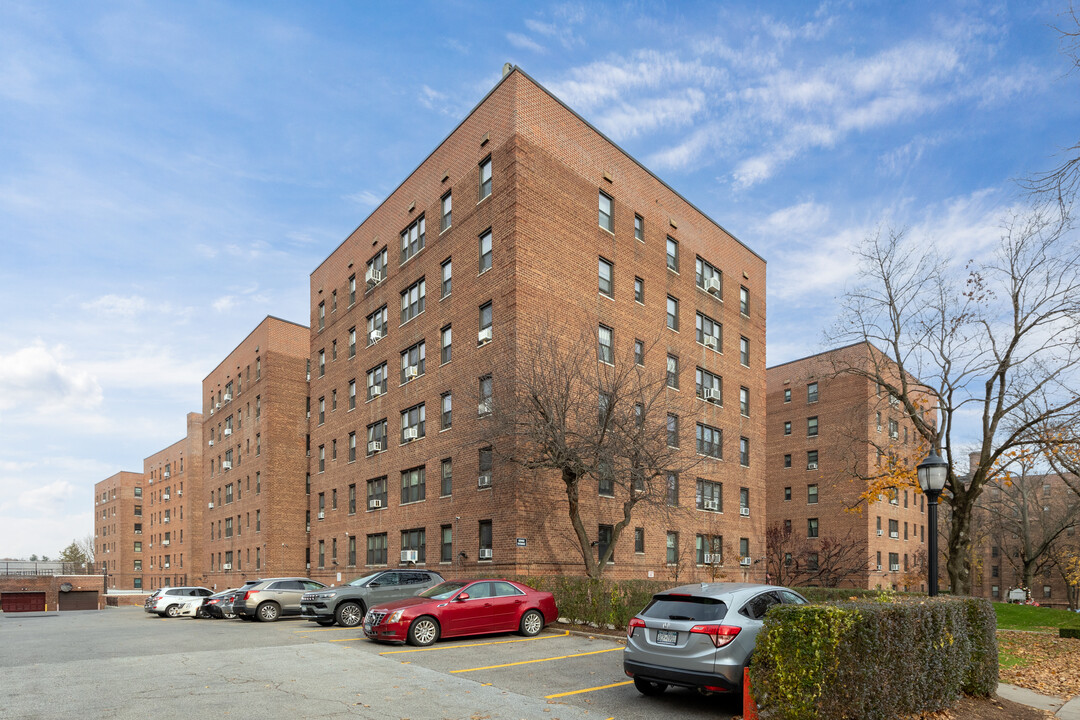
(125,663)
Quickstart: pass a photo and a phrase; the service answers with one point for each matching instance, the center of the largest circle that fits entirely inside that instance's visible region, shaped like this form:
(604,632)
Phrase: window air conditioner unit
(166,519)
(373,276)
(894,534)
(745,561)
(227,398)
(484,336)
(374,446)
(484,480)
(484,407)
(375,391)
(811,466)
(226,464)
(880,532)
(710,342)
(165,542)
(375,336)
(744,511)
(210,505)
(411,372)
(712,285)
(879,566)
(180,493)
(895,568)
(211,411)
(410,434)
(712,395)
(228,431)
(309,566)
(711,505)
(165,496)
(167,566)
(375,504)
(227,566)
(714,559)
(322,515)
(409,556)
(167,475)
(485,553)
(138,532)
(211,443)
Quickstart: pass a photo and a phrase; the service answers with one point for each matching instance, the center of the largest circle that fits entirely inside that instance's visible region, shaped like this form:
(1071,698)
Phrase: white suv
(167,601)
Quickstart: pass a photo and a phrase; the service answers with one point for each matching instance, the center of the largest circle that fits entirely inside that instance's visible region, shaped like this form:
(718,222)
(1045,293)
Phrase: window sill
(609,232)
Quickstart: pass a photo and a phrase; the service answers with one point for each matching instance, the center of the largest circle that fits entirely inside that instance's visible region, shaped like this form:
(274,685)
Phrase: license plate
(666,637)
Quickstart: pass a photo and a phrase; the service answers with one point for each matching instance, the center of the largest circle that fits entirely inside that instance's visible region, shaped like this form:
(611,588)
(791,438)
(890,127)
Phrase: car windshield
(362,581)
(442,591)
(685,607)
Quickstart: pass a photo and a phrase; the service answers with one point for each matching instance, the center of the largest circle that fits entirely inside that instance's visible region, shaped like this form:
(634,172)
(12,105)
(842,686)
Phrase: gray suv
(168,601)
(269,599)
(347,604)
(699,636)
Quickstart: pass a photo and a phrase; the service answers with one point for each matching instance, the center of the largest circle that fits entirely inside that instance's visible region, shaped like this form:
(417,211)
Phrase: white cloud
(116,305)
(797,219)
(631,119)
(364,198)
(44,498)
(38,376)
(524,42)
(224,303)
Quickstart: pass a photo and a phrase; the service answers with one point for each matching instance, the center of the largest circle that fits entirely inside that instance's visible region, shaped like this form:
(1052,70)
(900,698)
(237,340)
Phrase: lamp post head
(932,473)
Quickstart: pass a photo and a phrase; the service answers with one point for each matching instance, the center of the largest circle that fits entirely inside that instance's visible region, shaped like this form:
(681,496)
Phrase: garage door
(79,600)
(23,601)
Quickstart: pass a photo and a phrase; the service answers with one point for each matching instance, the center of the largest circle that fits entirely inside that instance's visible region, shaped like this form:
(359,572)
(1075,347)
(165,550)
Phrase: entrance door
(79,600)
(23,602)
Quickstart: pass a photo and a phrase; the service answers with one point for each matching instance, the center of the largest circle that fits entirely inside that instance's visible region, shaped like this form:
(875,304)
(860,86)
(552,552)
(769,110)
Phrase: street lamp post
(932,473)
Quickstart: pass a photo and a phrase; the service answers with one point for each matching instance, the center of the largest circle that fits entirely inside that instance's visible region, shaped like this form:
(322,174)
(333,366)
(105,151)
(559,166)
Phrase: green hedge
(596,602)
(873,660)
(1069,632)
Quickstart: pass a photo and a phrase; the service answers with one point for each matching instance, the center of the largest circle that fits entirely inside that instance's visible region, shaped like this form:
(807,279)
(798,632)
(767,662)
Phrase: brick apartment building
(524,212)
(829,430)
(118,510)
(166,523)
(248,518)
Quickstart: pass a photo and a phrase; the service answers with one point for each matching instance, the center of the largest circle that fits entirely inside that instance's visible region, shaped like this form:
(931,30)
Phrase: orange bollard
(749,707)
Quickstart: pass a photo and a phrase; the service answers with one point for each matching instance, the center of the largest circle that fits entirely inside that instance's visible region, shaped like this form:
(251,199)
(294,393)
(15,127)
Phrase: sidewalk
(1065,710)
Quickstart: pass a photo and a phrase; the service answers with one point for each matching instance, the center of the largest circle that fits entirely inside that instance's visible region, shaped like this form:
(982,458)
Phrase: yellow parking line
(578,692)
(348,639)
(527,662)
(565,633)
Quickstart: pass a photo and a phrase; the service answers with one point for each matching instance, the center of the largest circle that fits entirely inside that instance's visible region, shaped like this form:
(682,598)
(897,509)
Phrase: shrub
(873,660)
(1069,632)
(596,602)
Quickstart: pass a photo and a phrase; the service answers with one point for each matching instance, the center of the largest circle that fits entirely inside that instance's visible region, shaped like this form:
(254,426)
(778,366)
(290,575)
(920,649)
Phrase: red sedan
(462,607)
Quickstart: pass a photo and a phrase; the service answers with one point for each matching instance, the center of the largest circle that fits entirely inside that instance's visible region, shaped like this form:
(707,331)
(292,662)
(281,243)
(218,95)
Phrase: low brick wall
(125,600)
(50,585)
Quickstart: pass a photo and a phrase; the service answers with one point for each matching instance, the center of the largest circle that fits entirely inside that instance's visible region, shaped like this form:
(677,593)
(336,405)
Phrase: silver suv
(699,636)
(168,601)
(347,604)
(271,598)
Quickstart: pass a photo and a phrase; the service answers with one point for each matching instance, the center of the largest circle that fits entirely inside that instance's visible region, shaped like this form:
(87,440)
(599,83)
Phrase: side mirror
(463,596)
(374,583)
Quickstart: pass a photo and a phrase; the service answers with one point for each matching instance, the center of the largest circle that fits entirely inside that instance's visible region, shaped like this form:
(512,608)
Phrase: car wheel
(349,614)
(172,610)
(268,612)
(325,622)
(532,623)
(648,687)
(424,631)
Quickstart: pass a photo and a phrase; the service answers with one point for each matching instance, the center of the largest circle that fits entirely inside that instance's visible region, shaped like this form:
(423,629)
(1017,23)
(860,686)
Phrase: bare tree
(998,340)
(568,403)
(86,545)
(826,562)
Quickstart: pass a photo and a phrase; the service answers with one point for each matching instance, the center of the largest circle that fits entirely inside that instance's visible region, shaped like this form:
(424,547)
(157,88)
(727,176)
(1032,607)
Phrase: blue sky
(171,173)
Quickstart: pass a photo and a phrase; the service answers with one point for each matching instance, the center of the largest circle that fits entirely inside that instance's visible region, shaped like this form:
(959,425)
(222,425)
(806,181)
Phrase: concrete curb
(1070,710)
(1065,710)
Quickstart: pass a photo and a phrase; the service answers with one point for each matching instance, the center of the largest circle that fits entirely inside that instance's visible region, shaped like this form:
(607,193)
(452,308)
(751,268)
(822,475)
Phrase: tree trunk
(959,563)
(572,481)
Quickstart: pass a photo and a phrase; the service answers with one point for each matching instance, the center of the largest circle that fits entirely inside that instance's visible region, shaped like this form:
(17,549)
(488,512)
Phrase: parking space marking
(578,692)
(565,633)
(528,662)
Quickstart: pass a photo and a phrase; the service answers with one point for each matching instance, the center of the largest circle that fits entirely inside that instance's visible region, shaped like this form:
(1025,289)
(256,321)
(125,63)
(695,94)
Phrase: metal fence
(32,568)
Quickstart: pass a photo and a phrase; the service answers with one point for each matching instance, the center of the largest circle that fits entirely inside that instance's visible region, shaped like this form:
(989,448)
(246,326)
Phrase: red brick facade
(120,508)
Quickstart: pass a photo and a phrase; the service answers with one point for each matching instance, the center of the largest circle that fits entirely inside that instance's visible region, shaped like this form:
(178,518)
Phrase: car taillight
(721,634)
(635,622)
(247,595)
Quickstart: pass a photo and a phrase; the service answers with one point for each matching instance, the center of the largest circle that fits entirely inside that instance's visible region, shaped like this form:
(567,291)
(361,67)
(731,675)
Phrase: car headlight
(321,596)
(394,616)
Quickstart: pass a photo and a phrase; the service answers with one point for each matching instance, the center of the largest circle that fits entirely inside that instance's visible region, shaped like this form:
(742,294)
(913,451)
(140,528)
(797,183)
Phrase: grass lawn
(1029,617)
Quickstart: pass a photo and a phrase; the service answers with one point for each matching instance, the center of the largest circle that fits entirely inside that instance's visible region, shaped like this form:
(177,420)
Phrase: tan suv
(269,599)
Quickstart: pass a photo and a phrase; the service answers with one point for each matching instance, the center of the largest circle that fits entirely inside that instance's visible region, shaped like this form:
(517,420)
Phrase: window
(639,352)
(138,546)
(639,290)
(811,494)
(673,431)
(605,478)
(412,487)
(787,461)
(447,416)
(228,527)
(447,207)
(709,332)
(412,239)
(228,494)
(744,301)
(787,494)
(744,500)
(811,393)
(322,410)
(744,451)
(446,543)
(376,490)
(485,252)
(811,427)
(673,372)
(376,433)
(639,540)
(787,395)
(376,270)
(352,290)
(352,498)
(673,489)
(710,441)
(322,316)
(376,381)
(412,362)
(787,427)
(894,529)
(605,213)
(485,537)
(673,313)
(604,352)
(376,549)
(708,278)
(709,387)
(811,527)
(485,324)
(894,429)
(322,363)
(486,392)
(672,547)
(412,300)
(447,477)
(709,549)
(603,541)
(811,460)
(485,462)
(485,177)
(744,401)
(412,423)
(673,254)
(894,562)
(639,228)
(352,394)
(607,273)
(710,495)
(377,325)
(445,339)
